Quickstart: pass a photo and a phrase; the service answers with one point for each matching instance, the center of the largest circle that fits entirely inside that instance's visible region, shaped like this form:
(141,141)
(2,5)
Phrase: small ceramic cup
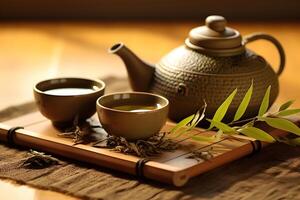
(144,114)
(63,99)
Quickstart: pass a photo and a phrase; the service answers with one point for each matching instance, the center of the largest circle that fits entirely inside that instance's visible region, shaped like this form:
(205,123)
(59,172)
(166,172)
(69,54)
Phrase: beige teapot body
(212,63)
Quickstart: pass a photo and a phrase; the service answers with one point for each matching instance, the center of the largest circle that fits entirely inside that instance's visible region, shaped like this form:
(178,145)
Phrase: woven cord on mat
(273,174)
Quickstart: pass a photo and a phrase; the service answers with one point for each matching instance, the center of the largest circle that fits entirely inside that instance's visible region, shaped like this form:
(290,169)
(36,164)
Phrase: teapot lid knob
(216,23)
(215,38)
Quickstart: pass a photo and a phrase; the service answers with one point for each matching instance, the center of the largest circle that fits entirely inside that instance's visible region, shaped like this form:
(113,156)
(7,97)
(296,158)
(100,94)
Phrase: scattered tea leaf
(281,123)
(286,105)
(244,104)
(288,112)
(39,160)
(256,133)
(81,133)
(265,102)
(221,111)
(201,154)
(142,148)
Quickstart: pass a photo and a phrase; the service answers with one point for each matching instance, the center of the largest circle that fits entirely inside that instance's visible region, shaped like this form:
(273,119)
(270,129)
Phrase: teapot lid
(215,38)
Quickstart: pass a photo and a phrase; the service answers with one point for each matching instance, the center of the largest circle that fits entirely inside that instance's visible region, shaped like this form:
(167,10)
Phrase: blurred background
(148,9)
(46,38)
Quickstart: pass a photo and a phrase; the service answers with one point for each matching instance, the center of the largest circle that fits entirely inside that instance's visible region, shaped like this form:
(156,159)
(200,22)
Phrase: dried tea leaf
(244,104)
(256,133)
(286,105)
(265,102)
(80,133)
(39,160)
(221,111)
(201,155)
(142,148)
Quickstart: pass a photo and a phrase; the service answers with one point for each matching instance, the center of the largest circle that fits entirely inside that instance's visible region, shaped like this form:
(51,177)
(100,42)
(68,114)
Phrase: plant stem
(242,121)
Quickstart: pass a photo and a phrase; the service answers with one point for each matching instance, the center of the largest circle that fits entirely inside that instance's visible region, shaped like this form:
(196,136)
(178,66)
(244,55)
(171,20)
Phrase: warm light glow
(9,190)
(55,60)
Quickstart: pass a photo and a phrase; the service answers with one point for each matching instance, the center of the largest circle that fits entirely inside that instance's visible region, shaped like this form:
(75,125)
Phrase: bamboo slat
(171,167)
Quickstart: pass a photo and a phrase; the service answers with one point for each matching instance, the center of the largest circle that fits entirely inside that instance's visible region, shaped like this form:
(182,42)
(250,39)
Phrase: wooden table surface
(30,52)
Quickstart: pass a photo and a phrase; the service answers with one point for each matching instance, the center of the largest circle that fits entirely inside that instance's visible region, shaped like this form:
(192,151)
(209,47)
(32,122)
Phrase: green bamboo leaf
(286,105)
(182,123)
(294,142)
(201,138)
(219,134)
(288,112)
(282,124)
(222,126)
(256,134)
(265,102)
(198,117)
(221,111)
(244,104)
(194,122)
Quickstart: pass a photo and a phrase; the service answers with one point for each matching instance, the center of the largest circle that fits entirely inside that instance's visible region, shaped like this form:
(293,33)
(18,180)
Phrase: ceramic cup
(63,99)
(144,114)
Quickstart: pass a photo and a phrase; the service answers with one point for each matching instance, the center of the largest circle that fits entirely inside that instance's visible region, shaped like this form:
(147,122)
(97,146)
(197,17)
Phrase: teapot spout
(139,72)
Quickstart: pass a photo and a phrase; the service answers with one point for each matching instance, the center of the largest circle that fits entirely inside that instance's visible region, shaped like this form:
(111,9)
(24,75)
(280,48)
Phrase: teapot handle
(258,36)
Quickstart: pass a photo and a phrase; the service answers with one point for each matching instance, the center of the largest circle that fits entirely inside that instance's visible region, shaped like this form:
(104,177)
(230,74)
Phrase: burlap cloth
(272,174)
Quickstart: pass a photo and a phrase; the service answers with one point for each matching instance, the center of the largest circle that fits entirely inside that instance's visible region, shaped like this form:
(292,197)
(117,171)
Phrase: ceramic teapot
(212,62)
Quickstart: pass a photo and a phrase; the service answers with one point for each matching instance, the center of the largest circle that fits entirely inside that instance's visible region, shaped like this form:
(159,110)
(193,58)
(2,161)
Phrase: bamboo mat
(272,174)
